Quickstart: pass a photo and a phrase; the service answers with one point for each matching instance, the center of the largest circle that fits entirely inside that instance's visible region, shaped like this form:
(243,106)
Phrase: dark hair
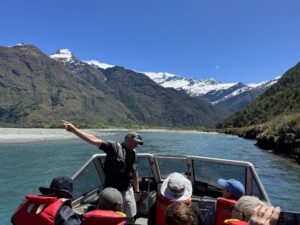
(180,214)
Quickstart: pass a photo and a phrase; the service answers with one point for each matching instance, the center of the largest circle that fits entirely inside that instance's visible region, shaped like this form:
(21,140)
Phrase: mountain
(192,86)
(82,69)
(273,119)
(38,91)
(152,104)
(156,105)
(231,97)
(282,98)
(242,97)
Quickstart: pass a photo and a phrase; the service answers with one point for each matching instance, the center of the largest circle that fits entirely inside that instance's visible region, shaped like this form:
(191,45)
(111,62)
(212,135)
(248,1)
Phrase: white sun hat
(177,187)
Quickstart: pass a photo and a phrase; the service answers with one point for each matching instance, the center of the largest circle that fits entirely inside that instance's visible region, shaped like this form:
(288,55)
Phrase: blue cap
(235,187)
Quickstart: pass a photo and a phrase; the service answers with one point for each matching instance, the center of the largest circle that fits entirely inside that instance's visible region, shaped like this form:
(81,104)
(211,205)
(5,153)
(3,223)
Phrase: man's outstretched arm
(83,135)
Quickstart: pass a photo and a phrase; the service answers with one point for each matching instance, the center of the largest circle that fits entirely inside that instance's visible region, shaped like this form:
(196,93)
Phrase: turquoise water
(27,166)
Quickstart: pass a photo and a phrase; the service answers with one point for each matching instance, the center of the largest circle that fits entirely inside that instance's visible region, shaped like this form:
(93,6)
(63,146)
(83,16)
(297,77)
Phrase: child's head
(232,188)
(179,213)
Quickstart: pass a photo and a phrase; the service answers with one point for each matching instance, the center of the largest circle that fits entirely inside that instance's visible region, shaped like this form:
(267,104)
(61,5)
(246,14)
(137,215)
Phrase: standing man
(120,166)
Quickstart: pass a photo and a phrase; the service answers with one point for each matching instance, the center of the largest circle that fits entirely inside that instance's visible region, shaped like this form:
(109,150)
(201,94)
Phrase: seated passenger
(175,187)
(110,199)
(54,207)
(250,209)
(108,210)
(244,208)
(179,213)
(265,215)
(231,189)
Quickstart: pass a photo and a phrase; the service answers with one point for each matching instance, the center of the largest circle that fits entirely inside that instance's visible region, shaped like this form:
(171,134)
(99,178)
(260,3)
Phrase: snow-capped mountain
(209,89)
(231,96)
(83,69)
(64,55)
(248,87)
(192,86)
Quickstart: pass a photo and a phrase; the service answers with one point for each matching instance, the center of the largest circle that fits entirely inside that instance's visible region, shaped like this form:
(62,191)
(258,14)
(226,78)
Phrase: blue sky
(229,40)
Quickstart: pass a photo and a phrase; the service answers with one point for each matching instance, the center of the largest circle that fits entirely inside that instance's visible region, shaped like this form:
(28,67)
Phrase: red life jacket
(224,209)
(235,222)
(106,217)
(161,205)
(37,210)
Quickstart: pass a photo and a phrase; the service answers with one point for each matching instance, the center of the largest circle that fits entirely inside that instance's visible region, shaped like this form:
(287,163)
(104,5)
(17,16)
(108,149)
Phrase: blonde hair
(246,205)
(180,214)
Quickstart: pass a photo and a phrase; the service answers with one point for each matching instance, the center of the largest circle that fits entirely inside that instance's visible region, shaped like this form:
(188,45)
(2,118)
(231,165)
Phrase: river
(30,158)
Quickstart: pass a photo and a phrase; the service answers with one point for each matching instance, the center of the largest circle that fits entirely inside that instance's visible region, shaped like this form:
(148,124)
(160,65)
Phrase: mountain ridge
(39,91)
(281,98)
(194,87)
(231,97)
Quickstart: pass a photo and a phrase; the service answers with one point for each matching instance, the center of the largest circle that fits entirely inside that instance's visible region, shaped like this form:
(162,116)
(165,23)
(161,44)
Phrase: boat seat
(203,204)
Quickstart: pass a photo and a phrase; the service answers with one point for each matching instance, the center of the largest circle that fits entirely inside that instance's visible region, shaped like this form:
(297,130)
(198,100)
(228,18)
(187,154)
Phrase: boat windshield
(210,172)
(203,173)
(88,178)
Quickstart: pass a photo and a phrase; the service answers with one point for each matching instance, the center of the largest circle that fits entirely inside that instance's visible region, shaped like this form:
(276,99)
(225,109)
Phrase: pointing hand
(68,126)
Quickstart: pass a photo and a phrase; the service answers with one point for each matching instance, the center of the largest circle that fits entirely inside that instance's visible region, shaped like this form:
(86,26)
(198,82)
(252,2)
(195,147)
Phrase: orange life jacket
(161,205)
(106,217)
(37,210)
(224,209)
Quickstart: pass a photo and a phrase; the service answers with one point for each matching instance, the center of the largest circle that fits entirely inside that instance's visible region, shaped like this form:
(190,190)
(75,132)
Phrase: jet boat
(203,172)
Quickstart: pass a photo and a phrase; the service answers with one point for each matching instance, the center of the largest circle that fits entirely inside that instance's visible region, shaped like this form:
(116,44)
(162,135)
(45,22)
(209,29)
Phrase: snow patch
(18,44)
(98,64)
(192,86)
(64,55)
(265,83)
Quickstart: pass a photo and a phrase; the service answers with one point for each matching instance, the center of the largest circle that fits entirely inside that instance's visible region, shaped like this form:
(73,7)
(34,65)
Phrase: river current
(30,158)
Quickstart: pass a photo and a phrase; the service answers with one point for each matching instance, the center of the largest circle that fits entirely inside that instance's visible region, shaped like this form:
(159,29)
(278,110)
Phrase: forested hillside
(280,99)
(274,118)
